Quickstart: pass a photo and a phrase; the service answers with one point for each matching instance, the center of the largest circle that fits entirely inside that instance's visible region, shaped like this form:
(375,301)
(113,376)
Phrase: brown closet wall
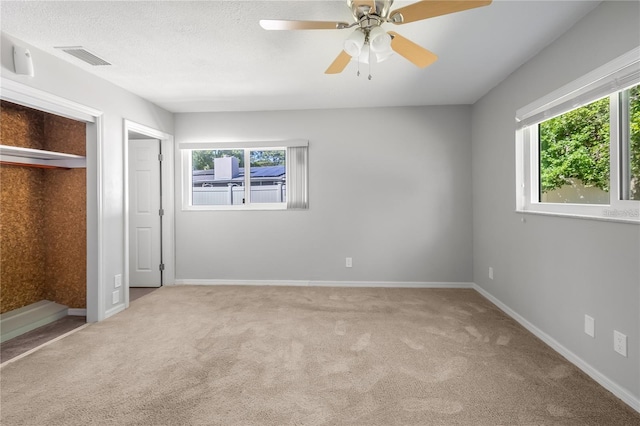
(42,214)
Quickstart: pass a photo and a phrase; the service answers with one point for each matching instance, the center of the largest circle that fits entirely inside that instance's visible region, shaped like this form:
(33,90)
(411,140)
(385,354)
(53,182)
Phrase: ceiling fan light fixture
(383,56)
(354,43)
(367,55)
(379,40)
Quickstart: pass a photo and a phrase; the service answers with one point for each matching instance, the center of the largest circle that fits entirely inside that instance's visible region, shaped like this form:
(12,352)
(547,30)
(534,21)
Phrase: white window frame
(187,148)
(608,80)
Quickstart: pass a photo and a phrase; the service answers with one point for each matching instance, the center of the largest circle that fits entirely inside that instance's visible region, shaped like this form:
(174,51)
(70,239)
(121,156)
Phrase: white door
(145,219)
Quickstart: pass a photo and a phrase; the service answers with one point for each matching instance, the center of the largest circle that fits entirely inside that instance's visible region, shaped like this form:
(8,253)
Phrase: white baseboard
(76,312)
(391,284)
(304,283)
(283,283)
(604,381)
(111,312)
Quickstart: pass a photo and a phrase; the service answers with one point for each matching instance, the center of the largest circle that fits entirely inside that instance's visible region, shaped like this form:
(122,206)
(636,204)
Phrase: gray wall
(389,187)
(550,270)
(68,81)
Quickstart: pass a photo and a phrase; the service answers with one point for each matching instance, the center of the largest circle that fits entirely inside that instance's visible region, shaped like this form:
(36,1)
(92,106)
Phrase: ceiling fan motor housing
(361,8)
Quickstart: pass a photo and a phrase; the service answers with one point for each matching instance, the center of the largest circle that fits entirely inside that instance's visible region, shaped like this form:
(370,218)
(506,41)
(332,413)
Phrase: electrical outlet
(589,326)
(620,343)
(490,273)
(116,296)
(349,262)
(117,280)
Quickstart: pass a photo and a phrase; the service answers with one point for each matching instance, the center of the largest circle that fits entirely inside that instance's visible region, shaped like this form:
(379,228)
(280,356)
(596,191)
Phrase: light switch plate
(589,326)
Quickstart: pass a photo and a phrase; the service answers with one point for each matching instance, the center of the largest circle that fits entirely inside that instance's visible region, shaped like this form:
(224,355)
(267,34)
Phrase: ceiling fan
(369,42)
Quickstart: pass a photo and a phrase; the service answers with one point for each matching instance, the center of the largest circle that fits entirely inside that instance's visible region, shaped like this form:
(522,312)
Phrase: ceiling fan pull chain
(369,63)
(358,74)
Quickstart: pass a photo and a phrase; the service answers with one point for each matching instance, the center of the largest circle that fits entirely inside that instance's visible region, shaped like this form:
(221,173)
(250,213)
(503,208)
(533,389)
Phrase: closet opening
(43,222)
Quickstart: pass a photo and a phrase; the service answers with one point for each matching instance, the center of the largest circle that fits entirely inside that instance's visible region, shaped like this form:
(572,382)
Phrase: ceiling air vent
(84,55)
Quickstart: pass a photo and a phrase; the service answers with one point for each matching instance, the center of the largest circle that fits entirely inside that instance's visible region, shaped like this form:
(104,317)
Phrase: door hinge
(162,266)
(161,212)
(160,157)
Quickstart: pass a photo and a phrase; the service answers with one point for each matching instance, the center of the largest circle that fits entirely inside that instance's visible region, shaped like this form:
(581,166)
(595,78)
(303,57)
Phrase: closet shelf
(15,155)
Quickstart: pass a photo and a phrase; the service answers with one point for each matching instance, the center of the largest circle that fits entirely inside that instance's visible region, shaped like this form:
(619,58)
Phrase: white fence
(576,192)
(234,195)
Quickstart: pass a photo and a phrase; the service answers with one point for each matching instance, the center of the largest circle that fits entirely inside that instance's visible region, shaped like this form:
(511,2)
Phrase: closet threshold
(18,156)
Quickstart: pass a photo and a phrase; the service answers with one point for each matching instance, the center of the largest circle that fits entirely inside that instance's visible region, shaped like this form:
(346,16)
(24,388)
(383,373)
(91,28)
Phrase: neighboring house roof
(268,173)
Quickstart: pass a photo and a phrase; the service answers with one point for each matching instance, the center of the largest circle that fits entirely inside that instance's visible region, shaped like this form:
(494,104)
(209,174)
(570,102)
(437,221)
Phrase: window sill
(254,207)
(615,219)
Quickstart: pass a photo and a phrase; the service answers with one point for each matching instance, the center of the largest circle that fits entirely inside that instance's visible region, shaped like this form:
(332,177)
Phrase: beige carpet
(304,356)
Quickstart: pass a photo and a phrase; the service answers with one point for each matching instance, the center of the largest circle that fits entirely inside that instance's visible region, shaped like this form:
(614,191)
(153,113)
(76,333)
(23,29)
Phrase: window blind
(297,177)
(614,77)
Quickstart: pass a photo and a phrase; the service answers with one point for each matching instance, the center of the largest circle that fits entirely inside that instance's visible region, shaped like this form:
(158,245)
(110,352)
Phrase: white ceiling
(213,55)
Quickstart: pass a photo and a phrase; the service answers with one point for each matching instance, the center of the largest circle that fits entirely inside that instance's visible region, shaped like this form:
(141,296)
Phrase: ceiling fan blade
(411,51)
(282,24)
(339,64)
(430,8)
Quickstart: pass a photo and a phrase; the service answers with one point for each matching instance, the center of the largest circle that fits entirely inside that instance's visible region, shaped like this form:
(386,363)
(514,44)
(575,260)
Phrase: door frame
(22,94)
(168,237)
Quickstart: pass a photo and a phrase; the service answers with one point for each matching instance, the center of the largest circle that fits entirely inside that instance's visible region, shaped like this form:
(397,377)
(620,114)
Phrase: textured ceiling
(214,56)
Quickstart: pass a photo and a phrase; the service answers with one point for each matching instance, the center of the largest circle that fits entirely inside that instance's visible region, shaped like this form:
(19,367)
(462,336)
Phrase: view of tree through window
(574,152)
(634,143)
(264,158)
(203,159)
(574,155)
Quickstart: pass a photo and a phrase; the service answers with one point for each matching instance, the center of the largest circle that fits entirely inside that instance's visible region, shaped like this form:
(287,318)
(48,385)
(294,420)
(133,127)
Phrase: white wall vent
(84,55)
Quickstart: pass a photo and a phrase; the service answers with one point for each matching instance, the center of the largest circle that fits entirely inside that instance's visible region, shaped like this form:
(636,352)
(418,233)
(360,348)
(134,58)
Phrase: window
(578,149)
(222,177)
(219,176)
(631,126)
(573,160)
